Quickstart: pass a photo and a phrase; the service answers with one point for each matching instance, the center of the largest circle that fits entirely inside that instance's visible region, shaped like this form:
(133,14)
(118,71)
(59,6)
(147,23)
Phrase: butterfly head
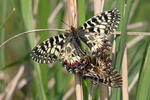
(74,31)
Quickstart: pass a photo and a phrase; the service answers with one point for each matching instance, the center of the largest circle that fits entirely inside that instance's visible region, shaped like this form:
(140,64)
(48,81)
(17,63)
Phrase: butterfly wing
(94,32)
(71,57)
(113,79)
(103,72)
(49,50)
(96,42)
(62,47)
(104,23)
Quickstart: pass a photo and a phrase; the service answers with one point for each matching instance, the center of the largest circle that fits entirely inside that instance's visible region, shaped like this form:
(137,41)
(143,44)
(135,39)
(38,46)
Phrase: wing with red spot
(71,57)
(94,32)
(96,42)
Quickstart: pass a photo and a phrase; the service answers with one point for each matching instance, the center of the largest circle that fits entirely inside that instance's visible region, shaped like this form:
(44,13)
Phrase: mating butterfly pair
(100,70)
(67,46)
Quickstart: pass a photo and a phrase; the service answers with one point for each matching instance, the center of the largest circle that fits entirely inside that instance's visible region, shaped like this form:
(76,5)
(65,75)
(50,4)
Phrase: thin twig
(36,30)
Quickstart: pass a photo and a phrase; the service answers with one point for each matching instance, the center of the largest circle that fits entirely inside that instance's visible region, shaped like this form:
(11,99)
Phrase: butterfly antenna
(65,23)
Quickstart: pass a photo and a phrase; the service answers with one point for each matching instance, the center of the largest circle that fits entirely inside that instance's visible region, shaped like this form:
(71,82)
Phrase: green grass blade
(42,23)
(121,41)
(108,4)
(18,61)
(42,18)
(144,80)
(26,8)
(2,38)
(116,93)
(2,33)
(81,12)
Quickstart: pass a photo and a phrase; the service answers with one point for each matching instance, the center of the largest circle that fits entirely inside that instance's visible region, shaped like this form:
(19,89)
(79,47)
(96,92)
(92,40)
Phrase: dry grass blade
(68,93)
(35,10)
(79,92)
(136,25)
(55,12)
(135,40)
(133,82)
(134,6)
(104,92)
(23,82)
(51,83)
(13,84)
(98,6)
(114,48)
(125,76)
(72,18)
(90,91)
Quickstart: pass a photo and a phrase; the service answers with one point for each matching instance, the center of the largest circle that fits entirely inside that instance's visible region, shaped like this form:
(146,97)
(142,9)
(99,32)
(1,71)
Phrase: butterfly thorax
(74,32)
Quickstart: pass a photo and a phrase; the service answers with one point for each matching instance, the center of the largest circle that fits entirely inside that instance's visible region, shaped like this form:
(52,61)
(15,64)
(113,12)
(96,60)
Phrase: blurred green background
(52,82)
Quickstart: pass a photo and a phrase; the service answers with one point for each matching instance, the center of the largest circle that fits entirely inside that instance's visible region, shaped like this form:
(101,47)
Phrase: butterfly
(67,46)
(102,71)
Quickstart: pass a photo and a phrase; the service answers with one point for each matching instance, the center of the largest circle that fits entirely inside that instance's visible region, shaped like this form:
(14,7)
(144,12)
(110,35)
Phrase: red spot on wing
(68,64)
(41,44)
(77,62)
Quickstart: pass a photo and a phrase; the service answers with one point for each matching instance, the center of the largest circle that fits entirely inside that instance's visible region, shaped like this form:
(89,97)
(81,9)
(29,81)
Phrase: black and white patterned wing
(60,47)
(94,32)
(104,23)
(110,78)
(96,42)
(71,57)
(102,71)
(49,50)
